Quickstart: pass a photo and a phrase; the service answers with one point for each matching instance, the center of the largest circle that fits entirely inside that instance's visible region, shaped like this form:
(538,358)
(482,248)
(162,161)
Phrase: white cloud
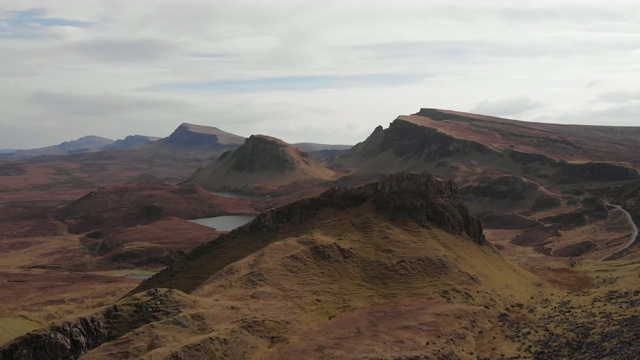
(512,106)
(94,59)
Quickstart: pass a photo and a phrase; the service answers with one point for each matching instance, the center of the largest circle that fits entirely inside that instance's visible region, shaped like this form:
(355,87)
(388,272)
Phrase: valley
(447,235)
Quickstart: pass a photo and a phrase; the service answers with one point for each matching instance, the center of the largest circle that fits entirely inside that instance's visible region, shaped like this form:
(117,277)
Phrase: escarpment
(418,197)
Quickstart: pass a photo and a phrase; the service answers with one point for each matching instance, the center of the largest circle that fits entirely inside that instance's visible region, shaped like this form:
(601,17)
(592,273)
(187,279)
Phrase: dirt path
(634,235)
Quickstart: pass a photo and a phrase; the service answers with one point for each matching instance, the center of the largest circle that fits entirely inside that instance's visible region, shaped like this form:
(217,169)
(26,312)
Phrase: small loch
(224,223)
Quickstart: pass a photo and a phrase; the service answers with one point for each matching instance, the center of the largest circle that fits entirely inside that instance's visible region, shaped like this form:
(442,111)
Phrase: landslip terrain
(447,235)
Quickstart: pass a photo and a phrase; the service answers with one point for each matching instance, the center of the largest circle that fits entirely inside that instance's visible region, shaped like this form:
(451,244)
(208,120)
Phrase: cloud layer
(306,71)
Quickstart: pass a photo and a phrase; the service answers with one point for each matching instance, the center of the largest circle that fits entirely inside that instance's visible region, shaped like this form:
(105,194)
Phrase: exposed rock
(72,339)
(421,197)
(69,340)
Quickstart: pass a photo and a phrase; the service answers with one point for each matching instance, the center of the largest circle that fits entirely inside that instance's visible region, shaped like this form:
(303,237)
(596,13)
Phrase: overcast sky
(320,71)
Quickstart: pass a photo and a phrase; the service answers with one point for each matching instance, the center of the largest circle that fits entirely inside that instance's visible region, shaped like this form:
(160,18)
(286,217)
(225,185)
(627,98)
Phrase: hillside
(137,203)
(346,272)
(262,165)
(448,143)
(538,184)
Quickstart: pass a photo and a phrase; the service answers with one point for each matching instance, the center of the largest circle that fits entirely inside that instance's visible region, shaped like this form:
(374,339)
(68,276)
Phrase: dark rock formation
(72,339)
(69,340)
(421,197)
(408,139)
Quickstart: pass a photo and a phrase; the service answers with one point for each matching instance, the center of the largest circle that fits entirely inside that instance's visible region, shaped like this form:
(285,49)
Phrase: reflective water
(224,223)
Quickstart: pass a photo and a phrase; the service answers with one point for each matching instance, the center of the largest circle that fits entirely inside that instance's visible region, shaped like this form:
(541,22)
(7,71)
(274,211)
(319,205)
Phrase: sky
(315,71)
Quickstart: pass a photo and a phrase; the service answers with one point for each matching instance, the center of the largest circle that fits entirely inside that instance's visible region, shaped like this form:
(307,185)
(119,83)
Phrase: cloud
(506,107)
(32,24)
(123,50)
(98,105)
(619,96)
(118,67)
(293,83)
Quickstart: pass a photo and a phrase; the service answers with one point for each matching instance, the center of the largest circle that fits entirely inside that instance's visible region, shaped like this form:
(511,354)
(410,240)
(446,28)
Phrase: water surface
(224,223)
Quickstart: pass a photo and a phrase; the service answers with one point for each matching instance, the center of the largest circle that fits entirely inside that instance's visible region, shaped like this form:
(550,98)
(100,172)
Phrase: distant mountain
(322,152)
(7,151)
(131,141)
(196,141)
(263,164)
(311,147)
(454,144)
(85,144)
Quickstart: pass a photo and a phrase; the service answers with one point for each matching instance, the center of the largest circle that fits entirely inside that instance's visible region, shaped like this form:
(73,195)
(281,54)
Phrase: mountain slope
(369,265)
(529,178)
(449,143)
(262,164)
(197,141)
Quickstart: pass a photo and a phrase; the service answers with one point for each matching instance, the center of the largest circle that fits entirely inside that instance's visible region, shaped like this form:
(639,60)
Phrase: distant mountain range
(85,144)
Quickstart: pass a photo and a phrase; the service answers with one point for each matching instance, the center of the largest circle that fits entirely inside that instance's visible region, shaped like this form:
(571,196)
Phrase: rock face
(432,139)
(72,339)
(69,340)
(420,197)
(407,139)
(261,164)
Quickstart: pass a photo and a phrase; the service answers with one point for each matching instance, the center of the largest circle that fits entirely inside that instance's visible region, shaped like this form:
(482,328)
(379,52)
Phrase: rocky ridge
(419,197)
(74,338)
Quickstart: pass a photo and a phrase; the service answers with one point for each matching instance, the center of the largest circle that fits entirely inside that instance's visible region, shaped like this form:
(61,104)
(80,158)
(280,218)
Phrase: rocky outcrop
(69,340)
(421,197)
(407,139)
(72,339)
